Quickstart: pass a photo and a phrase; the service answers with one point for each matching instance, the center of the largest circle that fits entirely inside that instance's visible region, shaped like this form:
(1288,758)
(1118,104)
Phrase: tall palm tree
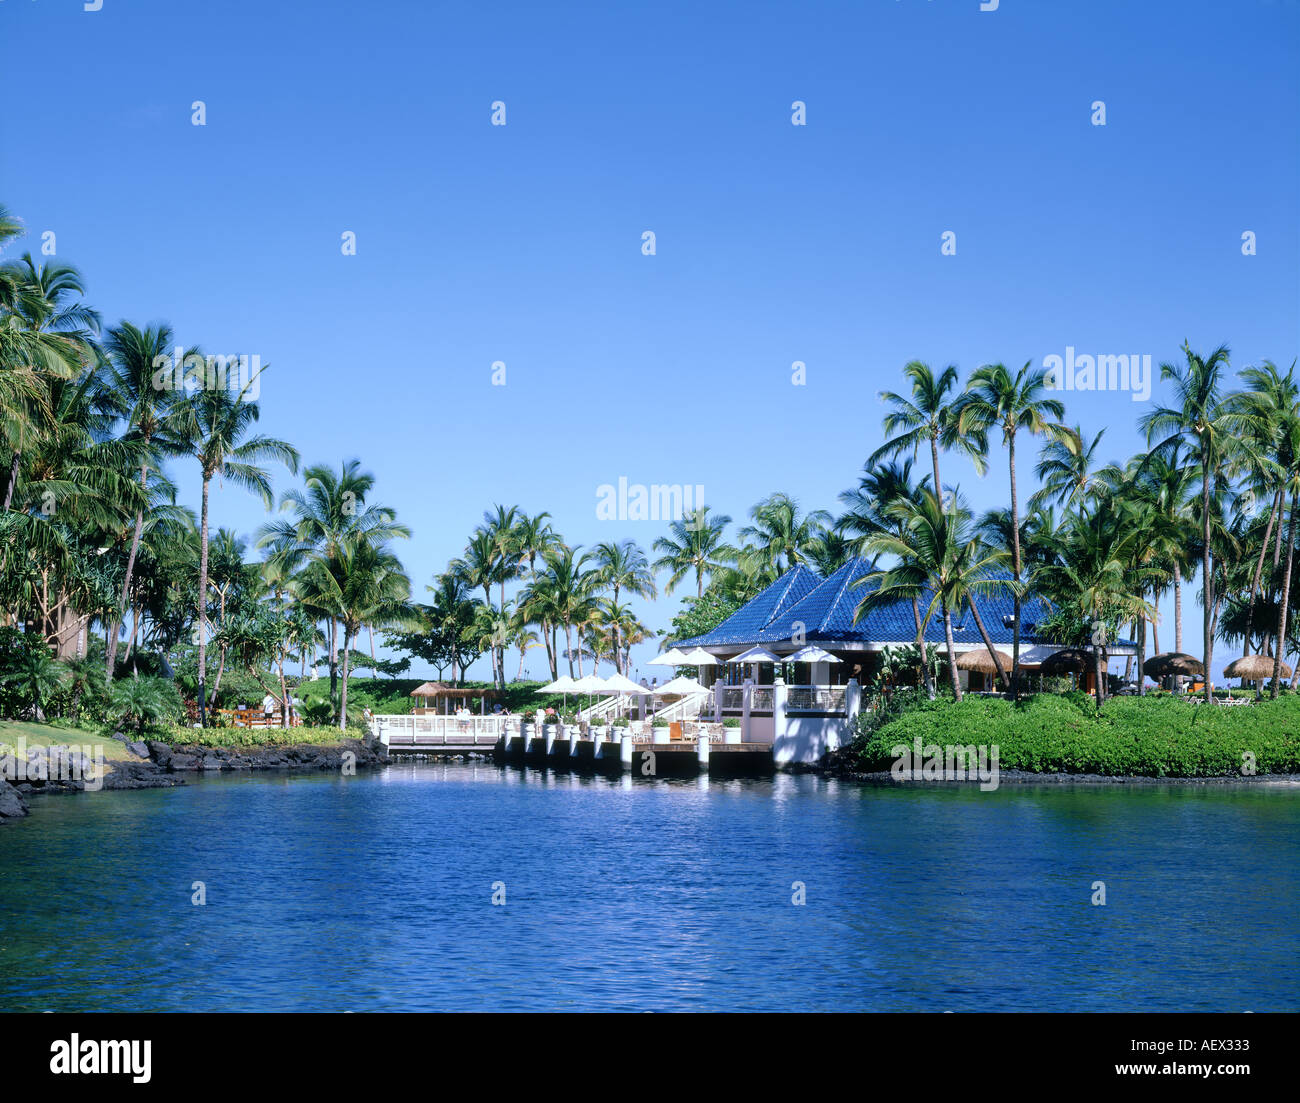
(1212,425)
(995,399)
(697,545)
(868,513)
(622,567)
(46,332)
(477,568)
(363,584)
(927,418)
(569,589)
(1066,467)
(783,537)
(941,560)
(214,426)
(331,512)
(128,387)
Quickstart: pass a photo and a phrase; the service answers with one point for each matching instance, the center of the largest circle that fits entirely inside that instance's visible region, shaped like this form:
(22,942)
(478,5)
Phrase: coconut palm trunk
(920,649)
(988,642)
(1259,569)
(203,602)
(343,693)
(952,654)
(1286,598)
(1015,571)
(111,660)
(1207,568)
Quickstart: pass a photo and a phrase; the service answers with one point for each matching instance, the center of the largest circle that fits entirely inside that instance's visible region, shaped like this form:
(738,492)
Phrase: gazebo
(432,692)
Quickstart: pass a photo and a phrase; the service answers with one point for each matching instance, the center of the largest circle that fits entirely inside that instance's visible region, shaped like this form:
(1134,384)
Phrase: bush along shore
(1049,738)
(60,764)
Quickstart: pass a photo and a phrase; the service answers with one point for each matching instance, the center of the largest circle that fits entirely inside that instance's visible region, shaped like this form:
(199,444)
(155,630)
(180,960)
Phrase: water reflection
(329,893)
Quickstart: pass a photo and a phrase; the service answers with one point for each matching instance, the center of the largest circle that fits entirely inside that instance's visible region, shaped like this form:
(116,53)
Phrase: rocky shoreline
(158,765)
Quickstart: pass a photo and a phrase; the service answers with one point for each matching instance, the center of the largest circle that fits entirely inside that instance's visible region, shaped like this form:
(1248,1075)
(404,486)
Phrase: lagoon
(374,893)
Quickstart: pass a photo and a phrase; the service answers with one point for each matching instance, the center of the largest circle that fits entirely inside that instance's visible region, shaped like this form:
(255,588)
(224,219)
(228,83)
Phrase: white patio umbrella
(697,656)
(563,684)
(671,657)
(756,655)
(590,684)
(679,687)
(620,683)
(811,654)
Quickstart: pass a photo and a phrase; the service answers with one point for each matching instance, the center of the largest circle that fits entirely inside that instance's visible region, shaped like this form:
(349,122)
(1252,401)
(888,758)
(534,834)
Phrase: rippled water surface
(374,893)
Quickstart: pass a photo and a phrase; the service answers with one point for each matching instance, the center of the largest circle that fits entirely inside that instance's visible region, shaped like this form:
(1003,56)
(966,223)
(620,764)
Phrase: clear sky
(775,243)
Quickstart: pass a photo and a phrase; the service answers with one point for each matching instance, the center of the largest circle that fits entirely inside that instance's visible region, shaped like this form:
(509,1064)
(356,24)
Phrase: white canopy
(620,683)
(562,684)
(590,683)
(756,655)
(697,656)
(671,657)
(811,654)
(679,687)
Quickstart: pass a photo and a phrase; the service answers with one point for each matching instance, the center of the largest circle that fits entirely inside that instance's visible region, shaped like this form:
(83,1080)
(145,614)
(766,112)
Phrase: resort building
(807,707)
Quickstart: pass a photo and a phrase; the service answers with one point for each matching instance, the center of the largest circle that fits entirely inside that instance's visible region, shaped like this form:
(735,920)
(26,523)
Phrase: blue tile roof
(824,610)
(744,625)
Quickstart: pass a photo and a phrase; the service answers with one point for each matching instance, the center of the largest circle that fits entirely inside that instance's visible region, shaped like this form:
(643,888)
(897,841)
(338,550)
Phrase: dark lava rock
(12,805)
(139,775)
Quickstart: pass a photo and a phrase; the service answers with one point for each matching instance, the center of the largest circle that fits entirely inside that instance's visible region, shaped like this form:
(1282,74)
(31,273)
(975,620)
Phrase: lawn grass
(54,735)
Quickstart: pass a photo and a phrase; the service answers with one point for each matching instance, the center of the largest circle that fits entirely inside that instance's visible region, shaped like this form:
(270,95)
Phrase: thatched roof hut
(1254,668)
(1069,660)
(432,692)
(1173,663)
(981,661)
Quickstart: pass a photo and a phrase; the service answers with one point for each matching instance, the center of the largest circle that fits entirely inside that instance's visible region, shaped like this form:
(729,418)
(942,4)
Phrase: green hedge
(1153,737)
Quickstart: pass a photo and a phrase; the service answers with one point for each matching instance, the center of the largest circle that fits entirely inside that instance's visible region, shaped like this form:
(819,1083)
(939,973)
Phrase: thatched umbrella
(1172,664)
(1069,660)
(982,662)
(1254,668)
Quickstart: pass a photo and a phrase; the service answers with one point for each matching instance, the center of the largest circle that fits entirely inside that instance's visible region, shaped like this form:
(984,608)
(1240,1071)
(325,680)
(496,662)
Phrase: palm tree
(212,425)
(928,417)
(697,545)
(995,399)
(127,384)
(1065,468)
(868,514)
(622,567)
(783,537)
(1092,577)
(1212,425)
(568,589)
(43,336)
(477,568)
(330,513)
(363,584)
(941,559)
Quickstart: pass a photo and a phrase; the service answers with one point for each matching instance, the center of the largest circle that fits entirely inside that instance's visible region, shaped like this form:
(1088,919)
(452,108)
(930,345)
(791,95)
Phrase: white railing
(688,708)
(815,699)
(733,698)
(405,731)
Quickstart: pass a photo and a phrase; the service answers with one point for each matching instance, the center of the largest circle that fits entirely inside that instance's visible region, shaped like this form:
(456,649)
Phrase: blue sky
(775,243)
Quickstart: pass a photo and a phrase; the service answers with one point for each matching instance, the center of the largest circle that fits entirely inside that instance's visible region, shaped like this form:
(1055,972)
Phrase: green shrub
(1132,736)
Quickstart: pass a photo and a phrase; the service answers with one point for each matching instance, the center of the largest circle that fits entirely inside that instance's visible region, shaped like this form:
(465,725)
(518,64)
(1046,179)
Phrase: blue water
(375,893)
